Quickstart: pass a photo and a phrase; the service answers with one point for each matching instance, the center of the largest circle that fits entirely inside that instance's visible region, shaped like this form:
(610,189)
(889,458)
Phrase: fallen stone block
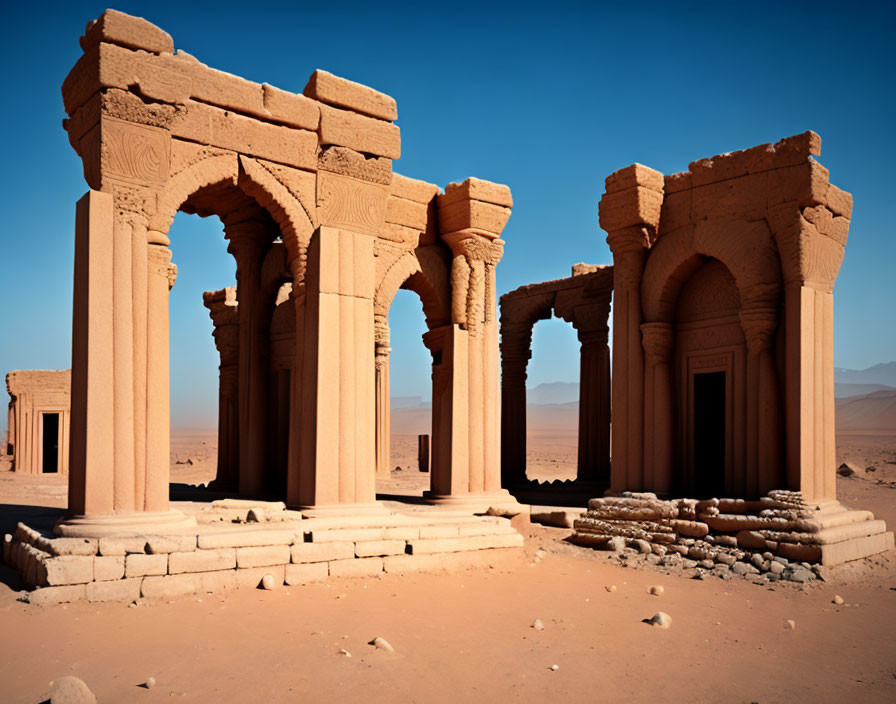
(48,596)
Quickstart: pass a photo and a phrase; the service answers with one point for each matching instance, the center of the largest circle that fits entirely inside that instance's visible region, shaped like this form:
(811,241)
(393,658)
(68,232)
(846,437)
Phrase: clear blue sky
(549,98)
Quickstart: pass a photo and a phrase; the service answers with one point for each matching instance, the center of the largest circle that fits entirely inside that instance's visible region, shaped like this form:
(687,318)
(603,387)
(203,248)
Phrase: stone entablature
(39,412)
(583,300)
(323,233)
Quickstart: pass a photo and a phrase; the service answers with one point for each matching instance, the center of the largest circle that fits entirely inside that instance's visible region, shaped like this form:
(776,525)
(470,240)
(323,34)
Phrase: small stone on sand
(71,690)
(343,651)
(538,625)
(267,582)
(660,619)
(611,588)
(790,624)
(382,644)
(150,682)
(838,599)
(555,667)
(656,590)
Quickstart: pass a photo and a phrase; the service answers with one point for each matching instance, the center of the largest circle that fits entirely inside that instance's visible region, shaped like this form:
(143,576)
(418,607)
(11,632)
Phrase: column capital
(759,325)
(474,246)
(657,340)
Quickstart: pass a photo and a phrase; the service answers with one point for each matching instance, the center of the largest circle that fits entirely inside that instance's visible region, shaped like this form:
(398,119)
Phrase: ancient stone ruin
(37,436)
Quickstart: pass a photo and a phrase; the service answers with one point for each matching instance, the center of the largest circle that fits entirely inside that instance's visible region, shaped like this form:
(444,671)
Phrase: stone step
(480,542)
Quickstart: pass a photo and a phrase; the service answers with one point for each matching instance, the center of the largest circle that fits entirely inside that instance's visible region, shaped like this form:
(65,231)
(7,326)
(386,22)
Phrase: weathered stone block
(252,576)
(477,189)
(339,535)
(118,590)
(636,175)
(633,207)
(310,572)
(291,108)
(169,586)
(744,198)
(133,32)
(446,531)
(408,213)
(202,561)
(143,565)
(122,546)
(327,88)
(348,162)
(364,567)
(416,190)
(322,552)
(69,546)
(401,533)
(218,581)
(163,544)
(69,569)
(466,214)
(246,539)
(48,596)
(106,568)
(262,556)
(363,134)
(418,547)
(376,548)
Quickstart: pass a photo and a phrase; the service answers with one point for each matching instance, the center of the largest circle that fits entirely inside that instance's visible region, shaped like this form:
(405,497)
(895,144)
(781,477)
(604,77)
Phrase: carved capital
(759,325)
(657,340)
(159,260)
(474,246)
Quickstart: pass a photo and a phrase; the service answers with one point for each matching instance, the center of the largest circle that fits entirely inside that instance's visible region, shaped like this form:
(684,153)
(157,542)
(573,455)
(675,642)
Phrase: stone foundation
(225,551)
(730,530)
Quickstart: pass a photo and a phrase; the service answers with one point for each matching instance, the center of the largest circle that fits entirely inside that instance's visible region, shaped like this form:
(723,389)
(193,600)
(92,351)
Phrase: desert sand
(467,635)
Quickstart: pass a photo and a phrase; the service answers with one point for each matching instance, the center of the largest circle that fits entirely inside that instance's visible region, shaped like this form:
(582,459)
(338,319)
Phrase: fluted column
(249,240)
(764,420)
(383,401)
(630,214)
(516,351)
(659,438)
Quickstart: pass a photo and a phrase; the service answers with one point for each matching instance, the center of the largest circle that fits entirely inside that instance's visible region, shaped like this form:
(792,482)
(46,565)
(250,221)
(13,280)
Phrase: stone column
(383,402)
(249,241)
(223,310)
(109,490)
(338,413)
(630,214)
(516,351)
(471,217)
(659,430)
(594,406)
(764,422)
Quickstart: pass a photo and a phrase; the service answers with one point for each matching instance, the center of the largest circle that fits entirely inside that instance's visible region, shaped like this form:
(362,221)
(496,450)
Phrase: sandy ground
(467,636)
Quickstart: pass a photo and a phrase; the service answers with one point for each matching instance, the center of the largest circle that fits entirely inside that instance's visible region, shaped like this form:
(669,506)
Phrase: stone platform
(236,543)
(781,523)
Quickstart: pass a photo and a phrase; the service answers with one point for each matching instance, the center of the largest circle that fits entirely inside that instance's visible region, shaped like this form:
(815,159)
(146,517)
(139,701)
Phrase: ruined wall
(35,394)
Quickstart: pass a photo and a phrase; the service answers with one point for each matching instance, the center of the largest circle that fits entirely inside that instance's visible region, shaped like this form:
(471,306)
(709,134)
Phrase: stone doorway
(709,424)
(50,443)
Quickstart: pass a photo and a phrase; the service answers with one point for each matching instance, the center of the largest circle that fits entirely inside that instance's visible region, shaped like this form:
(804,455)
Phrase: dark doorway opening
(709,433)
(50,443)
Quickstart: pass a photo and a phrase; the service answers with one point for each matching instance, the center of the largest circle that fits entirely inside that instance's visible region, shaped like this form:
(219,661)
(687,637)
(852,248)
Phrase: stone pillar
(516,351)
(471,217)
(630,214)
(109,490)
(594,405)
(764,450)
(338,451)
(223,310)
(659,430)
(249,241)
(383,401)
(423,453)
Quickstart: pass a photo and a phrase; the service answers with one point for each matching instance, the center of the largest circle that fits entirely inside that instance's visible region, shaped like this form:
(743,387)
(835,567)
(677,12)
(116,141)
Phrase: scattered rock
(71,690)
(743,568)
(656,590)
(725,559)
(343,651)
(615,544)
(538,625)
(790,624)
(255,515)
(643,547)
(801,575)
(150,682)
(776,567)
(611,588)
(267,582)
(382,644)
(838,599)
(555,667)
(847,469)
(660,619)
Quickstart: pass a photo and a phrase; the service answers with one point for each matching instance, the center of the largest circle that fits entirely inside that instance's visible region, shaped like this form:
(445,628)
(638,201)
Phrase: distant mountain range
(881,374)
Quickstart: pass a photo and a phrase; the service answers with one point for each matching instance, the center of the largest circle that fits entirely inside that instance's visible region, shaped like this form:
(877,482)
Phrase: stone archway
(159,131)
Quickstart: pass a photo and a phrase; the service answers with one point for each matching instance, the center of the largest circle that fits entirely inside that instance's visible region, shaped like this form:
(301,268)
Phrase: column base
(337,510)
(123,524)
(474,503)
